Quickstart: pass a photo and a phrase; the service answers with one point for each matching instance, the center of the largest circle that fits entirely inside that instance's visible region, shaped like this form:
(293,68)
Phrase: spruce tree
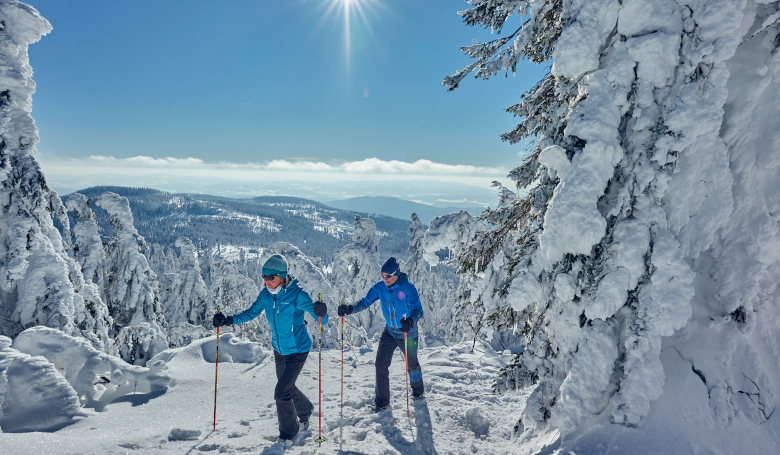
(626,185)
(132,287)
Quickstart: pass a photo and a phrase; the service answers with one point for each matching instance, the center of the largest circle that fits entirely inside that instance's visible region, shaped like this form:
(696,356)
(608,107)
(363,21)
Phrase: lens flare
(348,10)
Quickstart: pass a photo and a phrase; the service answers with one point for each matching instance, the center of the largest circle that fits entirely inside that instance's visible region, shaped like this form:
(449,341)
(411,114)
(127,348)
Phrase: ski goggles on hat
(270,277)
(388,275)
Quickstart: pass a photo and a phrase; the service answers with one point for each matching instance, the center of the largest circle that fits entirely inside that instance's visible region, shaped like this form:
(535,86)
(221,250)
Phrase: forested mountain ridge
(318,230)
(397,207)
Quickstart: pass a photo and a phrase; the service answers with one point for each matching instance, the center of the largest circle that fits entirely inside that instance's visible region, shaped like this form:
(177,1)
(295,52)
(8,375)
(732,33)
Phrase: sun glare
(350,9)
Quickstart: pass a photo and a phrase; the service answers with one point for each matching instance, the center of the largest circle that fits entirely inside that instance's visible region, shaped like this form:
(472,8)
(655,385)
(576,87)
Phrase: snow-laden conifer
(627,195)
(87,248)
(356,268)
(132,294)
(435,290)
(186,297)
(234,292)
(39,283)
(455,231)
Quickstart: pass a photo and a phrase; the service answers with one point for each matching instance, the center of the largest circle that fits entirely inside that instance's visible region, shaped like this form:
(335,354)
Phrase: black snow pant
(384,356)
(290,402)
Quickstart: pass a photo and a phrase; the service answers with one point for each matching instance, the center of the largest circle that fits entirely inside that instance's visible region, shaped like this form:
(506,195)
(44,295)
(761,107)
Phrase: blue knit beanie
(391,267)
(275,265)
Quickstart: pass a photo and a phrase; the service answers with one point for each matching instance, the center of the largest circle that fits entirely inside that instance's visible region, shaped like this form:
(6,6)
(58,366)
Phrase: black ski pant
(384,356)
(290,402)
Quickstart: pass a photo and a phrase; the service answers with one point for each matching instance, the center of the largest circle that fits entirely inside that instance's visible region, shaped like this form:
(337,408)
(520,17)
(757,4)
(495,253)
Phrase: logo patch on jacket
(401,295)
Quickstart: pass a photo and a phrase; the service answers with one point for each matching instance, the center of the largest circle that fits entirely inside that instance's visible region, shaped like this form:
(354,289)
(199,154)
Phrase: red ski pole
(341,424)
(216,370)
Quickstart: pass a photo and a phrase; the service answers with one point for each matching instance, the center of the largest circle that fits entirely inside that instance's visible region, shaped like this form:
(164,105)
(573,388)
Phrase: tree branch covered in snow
(628,185)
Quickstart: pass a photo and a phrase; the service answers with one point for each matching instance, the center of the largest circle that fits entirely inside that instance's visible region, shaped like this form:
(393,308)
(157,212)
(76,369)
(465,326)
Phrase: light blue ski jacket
(397,300)
(284,312)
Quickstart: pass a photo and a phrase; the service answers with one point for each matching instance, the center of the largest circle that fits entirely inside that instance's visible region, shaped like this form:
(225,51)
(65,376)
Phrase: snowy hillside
(317,229)
(458,416)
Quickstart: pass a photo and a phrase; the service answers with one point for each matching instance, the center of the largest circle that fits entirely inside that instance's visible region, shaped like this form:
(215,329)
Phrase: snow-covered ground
(459,415)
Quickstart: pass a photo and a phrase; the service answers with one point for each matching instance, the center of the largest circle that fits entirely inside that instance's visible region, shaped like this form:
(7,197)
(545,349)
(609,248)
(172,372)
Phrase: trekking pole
(320,439)
(342,364)
(406,357)
(216,370)
(341,435)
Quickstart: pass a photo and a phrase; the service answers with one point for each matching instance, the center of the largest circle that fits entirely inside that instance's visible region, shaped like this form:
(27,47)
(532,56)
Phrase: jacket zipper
(276,321)
(392,306)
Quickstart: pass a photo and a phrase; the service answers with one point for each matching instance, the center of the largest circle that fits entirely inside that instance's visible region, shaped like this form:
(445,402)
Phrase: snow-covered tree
(455,231)
(435,290)
(186,298)
(648,172)
(234,292)
(356,268)
(132,294)
(39,283)
(87,248)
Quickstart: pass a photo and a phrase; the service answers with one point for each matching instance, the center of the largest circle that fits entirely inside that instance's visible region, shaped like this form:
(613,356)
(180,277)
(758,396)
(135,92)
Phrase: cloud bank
(366,166)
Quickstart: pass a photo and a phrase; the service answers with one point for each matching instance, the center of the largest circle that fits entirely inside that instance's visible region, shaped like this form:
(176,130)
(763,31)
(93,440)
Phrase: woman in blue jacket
(402,309)
(284,304)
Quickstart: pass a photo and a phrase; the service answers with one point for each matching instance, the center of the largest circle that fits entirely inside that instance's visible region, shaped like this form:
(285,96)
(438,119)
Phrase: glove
(407,324)
(345,310)
(220,320)
(320,309)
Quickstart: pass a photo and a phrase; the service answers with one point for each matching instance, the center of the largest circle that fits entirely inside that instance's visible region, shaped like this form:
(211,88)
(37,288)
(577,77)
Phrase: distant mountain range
(318,230)
(429,192)
(396,207)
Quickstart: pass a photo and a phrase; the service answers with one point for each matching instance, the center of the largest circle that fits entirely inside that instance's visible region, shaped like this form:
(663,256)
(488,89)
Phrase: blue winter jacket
(284,310)
(397,300)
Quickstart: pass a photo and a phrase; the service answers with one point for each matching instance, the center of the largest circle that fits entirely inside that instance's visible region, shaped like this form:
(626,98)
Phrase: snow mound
(232,349)
(477,422)
(33,395)
(97,378)
(185,333)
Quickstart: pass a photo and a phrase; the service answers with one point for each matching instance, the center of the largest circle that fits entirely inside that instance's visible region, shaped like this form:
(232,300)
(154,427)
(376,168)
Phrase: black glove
(320,309)
(345,310)
(220,320)
(406,324)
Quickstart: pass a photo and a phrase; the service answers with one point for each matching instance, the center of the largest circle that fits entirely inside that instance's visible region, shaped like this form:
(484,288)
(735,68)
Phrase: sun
(349,9)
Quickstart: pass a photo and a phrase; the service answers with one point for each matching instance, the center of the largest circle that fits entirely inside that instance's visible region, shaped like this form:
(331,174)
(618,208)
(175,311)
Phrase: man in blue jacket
(284,304)
(402,309)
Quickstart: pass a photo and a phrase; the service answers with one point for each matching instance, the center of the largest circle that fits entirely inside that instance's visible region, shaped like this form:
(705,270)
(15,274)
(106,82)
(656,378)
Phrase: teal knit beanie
(275,265)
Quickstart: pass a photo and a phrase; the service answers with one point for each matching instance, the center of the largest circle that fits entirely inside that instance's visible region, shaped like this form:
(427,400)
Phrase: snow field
(459,414)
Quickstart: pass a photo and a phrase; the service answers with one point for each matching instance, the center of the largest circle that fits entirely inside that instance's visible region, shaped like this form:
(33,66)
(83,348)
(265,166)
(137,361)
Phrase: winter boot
(378,409)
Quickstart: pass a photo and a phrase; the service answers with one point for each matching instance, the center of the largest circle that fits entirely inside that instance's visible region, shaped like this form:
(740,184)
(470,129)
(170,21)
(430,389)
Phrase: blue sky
(139,86)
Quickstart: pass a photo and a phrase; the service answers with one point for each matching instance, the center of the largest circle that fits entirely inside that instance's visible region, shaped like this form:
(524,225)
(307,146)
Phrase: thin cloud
(146,161)
(366,166)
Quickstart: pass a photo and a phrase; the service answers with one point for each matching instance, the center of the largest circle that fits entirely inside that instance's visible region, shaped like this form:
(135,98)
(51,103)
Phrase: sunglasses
(269,277)
(387,275)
